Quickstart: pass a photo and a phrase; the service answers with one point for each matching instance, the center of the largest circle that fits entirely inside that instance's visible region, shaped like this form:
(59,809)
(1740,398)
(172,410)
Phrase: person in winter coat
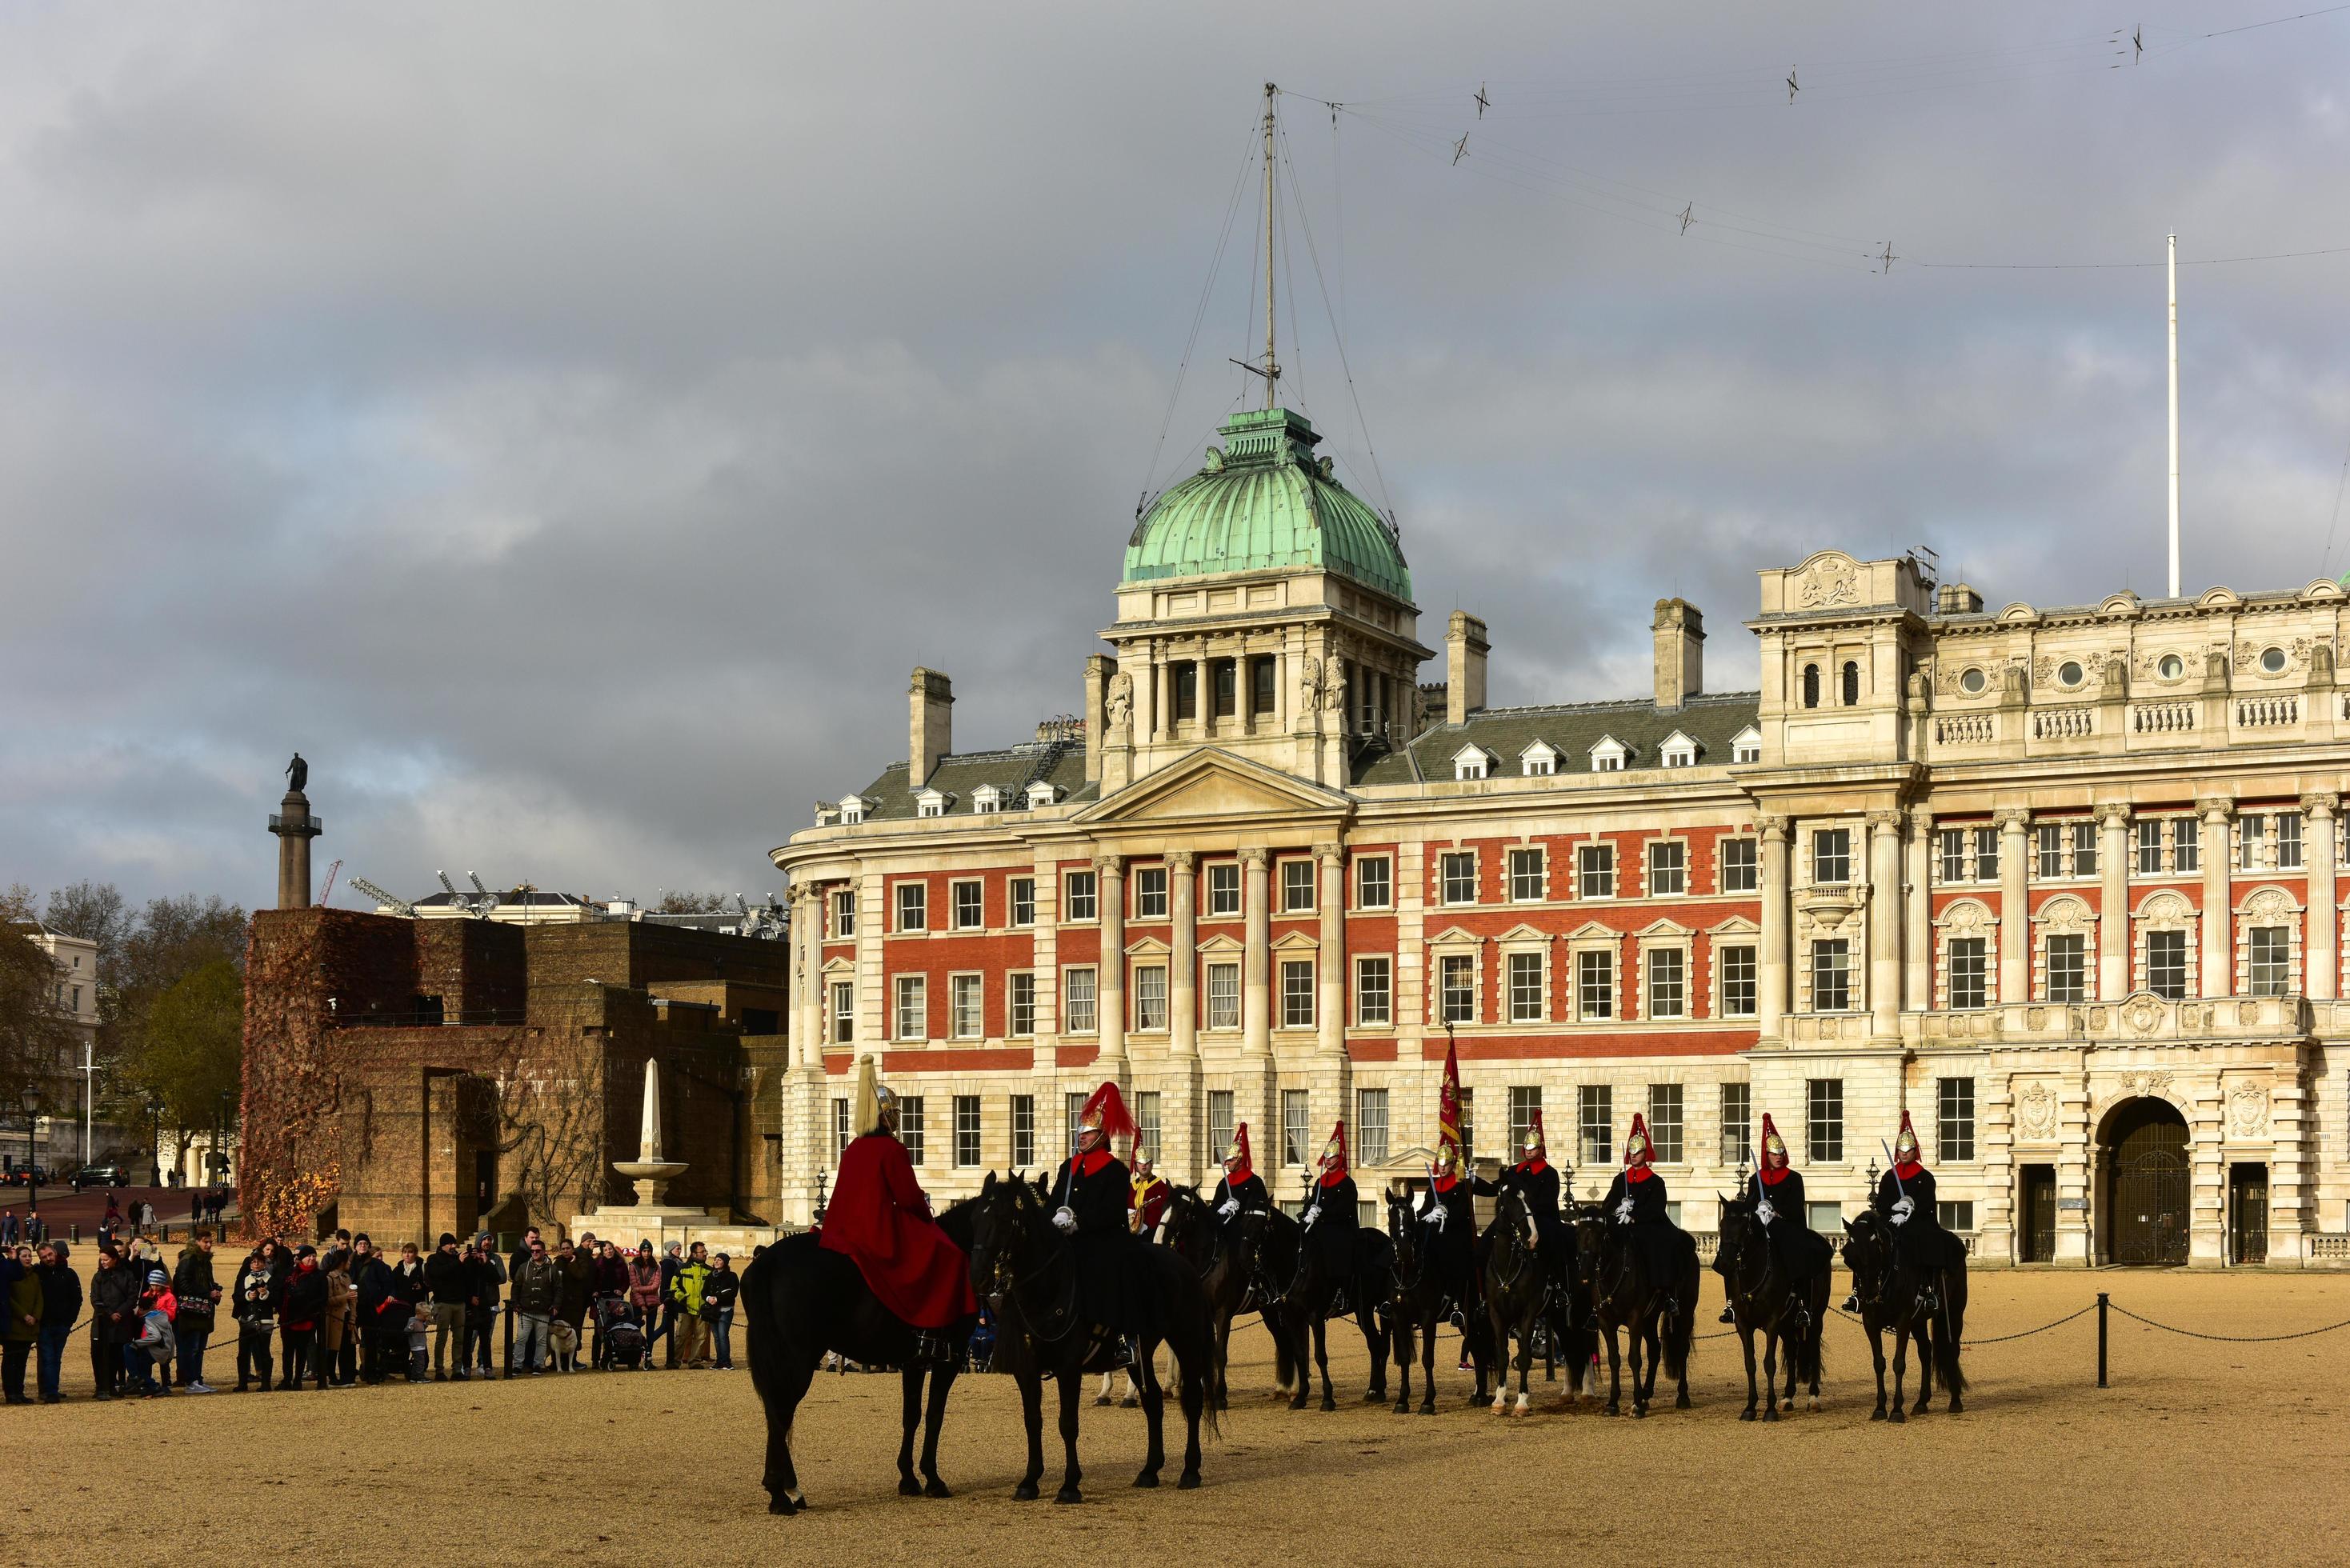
(304,1314)
(579,1271)
(538,1293)
(451,1285)
(645,1293)
(488,1273)
(60,1310)
(718,1293)
(672,1260)
(199,1294)
(382,1328)
(155,1343)
(685,1297)
(113,1320)
(20,1299)
(338,1345)
(612,1280)
(253,1302)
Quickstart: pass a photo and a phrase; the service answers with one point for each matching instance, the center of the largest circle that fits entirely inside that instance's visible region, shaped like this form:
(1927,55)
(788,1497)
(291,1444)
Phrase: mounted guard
(880,1219)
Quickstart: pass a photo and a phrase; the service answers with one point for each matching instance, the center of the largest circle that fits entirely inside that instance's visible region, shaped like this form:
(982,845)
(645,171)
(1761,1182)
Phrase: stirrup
(1726,1317)
(1851,1304)
(1928,1302)
(931,1347)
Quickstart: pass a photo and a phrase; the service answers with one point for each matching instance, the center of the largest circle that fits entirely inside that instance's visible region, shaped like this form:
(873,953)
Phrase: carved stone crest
(2248,1110)
(2035,1112)
(2142,1014)
(1829,583)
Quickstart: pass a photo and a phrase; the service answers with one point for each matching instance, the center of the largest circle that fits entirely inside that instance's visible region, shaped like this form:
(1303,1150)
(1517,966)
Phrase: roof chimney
(930,704)
(1464,667)
(1681,653)
(1957,598)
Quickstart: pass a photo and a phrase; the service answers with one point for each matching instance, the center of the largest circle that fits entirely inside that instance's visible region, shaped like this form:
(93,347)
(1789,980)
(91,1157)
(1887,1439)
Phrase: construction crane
(397,906)
(328,891)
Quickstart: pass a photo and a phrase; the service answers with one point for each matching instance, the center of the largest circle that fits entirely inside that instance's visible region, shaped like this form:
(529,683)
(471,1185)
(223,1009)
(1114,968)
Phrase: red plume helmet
(1334,1154)
(1773,1163)
(1106,1110)
(1538,1149)
(1906,1163)
(1637,1151)
(1237,1166)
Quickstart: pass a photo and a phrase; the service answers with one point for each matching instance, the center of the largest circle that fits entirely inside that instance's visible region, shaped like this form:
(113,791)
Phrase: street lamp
(32,1152)
(155,1137)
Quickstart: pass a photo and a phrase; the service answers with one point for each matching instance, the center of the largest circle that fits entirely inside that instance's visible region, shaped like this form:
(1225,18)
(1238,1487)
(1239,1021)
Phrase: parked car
(100,1176)
(26,1176)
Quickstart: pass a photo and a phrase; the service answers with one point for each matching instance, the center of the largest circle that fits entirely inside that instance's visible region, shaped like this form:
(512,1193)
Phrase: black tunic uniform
(1538,1189)
(1923,1229)
(1652,1229)
(1799,1248)
(1330,1238)
(1453,1248)
(1102,1242)
(1253,1198)
(1099,1199)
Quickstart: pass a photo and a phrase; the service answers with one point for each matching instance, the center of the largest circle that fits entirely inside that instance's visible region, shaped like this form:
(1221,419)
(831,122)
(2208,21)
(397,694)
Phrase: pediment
(1293,940)
(1220,943)
(839,966)
(1736,926)
(1212,783)
(1146,947)
(1522,932)
(1593,929)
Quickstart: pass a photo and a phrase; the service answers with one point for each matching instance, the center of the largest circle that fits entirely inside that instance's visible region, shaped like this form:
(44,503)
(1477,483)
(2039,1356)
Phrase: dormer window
(1608,755)
(1472,763)
(1746,746)
(1042,795)
(852,809)
(986,800)
(1679,751)
(1538,760)
(930,803)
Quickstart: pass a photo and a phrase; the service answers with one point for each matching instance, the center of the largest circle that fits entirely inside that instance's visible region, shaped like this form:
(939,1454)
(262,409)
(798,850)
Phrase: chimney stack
(1957,598)
(1096,713)
(930,704)
(1681,653)
(1464,667)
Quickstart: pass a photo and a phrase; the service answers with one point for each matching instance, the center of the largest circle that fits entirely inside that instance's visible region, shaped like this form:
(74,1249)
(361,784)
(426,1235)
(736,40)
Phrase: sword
(1894,1167)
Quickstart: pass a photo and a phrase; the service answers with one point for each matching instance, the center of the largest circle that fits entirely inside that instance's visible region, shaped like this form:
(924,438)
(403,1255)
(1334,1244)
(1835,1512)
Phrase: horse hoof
(936,1487)
(1896,1418)
(1681,1402)
(1956,1407)
(1101,1401)
(1613,1410)
(1328,1404)
(1146,1478)
(908,1487)
(1129,1403)
(1068,1494)
(1747,1414)
(1815,1404)
(1428,1408)
(782,1505)
(1877,1414)
(1025,1491)
(1402,1408)
(1189,1482)
(1770,1415)
(1639,1412)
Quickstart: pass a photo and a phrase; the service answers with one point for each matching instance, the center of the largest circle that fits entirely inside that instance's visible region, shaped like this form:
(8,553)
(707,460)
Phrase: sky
(567,424)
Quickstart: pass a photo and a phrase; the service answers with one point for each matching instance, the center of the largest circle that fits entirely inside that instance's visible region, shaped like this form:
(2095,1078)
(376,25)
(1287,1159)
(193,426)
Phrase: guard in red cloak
(880,1220)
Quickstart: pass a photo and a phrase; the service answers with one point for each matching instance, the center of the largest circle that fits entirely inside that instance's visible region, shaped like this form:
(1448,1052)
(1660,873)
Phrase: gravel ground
(2198,1451)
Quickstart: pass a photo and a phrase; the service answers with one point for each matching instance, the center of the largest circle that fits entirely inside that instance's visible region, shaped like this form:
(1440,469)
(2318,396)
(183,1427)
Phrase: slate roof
(1712,720)
(1062,763)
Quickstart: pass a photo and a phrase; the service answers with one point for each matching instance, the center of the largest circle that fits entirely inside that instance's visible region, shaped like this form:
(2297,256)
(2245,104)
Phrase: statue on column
(298,774)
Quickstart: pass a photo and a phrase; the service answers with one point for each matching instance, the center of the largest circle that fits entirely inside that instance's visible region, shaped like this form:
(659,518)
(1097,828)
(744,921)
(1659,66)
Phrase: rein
(1013,1286)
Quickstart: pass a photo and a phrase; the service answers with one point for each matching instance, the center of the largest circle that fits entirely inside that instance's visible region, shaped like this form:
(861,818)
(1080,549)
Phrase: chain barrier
(1969,1342)
(2228,1338)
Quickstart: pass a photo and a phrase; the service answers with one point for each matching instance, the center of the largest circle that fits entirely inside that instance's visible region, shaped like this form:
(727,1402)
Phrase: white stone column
(1109,976)
(810,1013)
(1330,969)
(1257,956)
(1183,955)
(2219,976)
(2113,900)
(2015,902)
(1771,959)
(2321,946)
(1885,923)
(1916,911)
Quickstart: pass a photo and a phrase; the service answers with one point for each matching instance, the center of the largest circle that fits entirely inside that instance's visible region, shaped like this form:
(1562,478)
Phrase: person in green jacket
(685,1290)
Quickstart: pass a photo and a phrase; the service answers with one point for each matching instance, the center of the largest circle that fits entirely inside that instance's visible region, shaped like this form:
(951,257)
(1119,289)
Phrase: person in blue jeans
(60,1310)
(718,1293)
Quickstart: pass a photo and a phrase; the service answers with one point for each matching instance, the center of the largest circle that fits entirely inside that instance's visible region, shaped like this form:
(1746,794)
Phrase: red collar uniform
(1775,1182)
(1093,1184)
(880,1220)
(1241,1187)
(1638,1195)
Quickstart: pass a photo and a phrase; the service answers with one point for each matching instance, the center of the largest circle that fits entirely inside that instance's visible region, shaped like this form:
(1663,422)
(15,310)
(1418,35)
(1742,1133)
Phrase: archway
(2148,1185)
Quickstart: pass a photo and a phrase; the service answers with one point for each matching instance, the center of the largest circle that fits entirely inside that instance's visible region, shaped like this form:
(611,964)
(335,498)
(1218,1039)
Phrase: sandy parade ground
(2043,1465)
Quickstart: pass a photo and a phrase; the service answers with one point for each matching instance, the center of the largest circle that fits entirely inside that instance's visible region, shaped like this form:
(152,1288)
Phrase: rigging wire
(1314,257)
(2326,561)
(1200,311)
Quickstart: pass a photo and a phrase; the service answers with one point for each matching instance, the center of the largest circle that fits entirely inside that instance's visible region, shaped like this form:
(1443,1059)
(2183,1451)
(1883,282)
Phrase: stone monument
(651,1220)
(648,1171)
(295,827)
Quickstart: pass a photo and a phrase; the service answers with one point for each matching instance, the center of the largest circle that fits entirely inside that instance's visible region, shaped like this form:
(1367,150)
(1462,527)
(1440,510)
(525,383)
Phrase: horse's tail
(1190,1325)
(763,1335)
(1273,1315)
(1681,1323)
(1949,1330)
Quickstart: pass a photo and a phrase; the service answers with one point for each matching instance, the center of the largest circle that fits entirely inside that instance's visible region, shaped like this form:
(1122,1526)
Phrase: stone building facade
(2063,883)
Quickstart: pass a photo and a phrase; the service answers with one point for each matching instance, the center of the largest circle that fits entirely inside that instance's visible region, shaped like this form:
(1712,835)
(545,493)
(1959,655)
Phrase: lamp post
(219,1172)
(155,1137)
(32,1152)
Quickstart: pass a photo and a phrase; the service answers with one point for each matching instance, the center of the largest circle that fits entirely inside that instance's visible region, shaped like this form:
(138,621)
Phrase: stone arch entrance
(2149,1187)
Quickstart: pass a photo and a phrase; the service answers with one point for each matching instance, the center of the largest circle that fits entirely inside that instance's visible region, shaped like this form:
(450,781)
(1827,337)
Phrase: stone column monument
(295,827)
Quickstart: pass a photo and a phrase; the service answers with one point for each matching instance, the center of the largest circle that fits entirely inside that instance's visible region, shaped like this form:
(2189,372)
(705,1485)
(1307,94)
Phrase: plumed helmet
(1334,1152)
(1106,1114)
(876,1107)
(1142,1161)
(1236,1159)
(1536,1146)
(1638,1150)
(1905,1142)
(1774,1147)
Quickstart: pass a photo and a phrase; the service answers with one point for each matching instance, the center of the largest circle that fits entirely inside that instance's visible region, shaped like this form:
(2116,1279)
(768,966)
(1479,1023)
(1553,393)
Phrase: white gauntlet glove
(1311,1214)
(1064,1220)
(1764,1212)
(1902,1210)
(1624,1213)
(1226,1210)
(1437,1216)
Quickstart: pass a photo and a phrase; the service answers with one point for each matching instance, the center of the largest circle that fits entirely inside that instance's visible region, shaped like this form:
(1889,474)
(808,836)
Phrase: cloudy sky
(567,424)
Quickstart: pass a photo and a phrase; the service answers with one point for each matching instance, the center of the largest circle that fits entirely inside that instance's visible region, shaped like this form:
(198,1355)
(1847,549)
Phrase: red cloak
(880,1220)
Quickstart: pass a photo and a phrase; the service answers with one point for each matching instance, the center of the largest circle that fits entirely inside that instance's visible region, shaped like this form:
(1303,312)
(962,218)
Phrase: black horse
(1894,1288)
(1623,1284)
(1225,1260)
(1298,1311)
(1424,1297)
(1521,1299)
(1788,1308)
(1060,1317)
(799,1302)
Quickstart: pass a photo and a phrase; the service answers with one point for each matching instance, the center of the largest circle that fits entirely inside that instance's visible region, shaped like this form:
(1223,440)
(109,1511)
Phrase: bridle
(1004,1283)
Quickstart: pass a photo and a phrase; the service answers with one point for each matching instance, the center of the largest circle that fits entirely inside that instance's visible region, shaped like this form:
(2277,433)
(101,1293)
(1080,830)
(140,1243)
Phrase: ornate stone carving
(1967,918)
(2142,1014)
(2270,904)
(1328,854)
(1256,859)
(2248,1110)
(1884,821)
(2320,804)
(1182,862)
(2113,814)
(2214,807)
(2017,817)
(1828,584)
(2140,1085)
(2248,1012)
(1770,825)
(2066,916)
(1120,702)
(2036,1112)
(2036,1018)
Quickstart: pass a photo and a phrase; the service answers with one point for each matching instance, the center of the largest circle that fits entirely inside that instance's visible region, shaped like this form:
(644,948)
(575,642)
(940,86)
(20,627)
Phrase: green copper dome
(1261,502)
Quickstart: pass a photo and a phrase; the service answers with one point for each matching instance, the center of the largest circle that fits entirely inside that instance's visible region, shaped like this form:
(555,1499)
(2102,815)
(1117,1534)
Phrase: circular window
(2273,661)
(2171,668)
(2069,673)
(1972,682)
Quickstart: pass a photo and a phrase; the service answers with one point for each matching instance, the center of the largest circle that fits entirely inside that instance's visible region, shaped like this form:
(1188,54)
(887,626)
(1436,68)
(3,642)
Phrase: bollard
(509,1317)
(75,1228)
(2102,1299)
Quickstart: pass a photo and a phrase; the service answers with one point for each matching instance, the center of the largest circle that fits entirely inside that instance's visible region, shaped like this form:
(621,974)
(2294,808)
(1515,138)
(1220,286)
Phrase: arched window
(1811,685)
(1851,684)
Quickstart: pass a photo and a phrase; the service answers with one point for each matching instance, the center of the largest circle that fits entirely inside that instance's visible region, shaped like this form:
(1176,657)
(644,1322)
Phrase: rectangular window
(1458,991)
(2085,849)
(914,907)
(1741,866)
(1667,868)
(1073,1110)
(1468,1125)
(1595,1120)
(1150,893)
(2268,956)
(913,1007)
(1149,1129)
(1460,875)
(2068,969)
(1665,1122)
(1186,692)
(2186,844)
(1595,871)
(1970,984)
(1526,879)
(1951,845)
(1297,993)
(1832,855)
(1373,883)
(966,1130)
(1023,901)
(1738,988)
(1832,976)
(843,1012)
(1954,1119)
(910,1125)
(1374,991)
(1293,1131)
(1525,1100)
(2048,850)
(1223,996)
(843,914)
(969,911)
(841,1133)
(1527,1003)
(1263,674)
(1956,1213)
(1077,890)
(1594,984)
(1737,1124)
(1986,854)
(1077,1015)
(1151,998)
(1823,1123)
(2165,964)
(965,998)
(1827,1218)
(1219,1123)
(1023,1130)
(1224,681)
(1371,1126)
(2249,838)
(1297,886)
(1223,889)
(2288,840)
(1668,982)
(2150,847)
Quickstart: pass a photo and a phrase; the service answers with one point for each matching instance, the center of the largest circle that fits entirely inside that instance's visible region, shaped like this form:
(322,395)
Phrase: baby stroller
(623,1335)
(981,1357)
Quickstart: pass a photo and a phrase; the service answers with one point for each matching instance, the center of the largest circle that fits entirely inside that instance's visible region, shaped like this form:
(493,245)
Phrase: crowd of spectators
(346,1312)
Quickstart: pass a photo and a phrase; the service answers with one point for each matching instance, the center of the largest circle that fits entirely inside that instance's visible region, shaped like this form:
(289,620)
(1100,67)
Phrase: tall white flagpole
(2174,415)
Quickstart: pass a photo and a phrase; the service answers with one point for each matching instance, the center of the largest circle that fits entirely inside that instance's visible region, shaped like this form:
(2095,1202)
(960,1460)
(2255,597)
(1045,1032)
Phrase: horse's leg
(1924,1333)
(1746,1343)
(1614,1370)
(1375,1344)
(782,1480)
(1031,1414)
(1401,1325)
(1322,1358)
(911,1417)
(1154,1406)
(1526,1359)
(1428,1365)
(1223,1350)
(1900,1369)
(1301,1332)
(1876,1355)
(1071,1374)
(1635,1339)
(1771,1373)
(941,1379)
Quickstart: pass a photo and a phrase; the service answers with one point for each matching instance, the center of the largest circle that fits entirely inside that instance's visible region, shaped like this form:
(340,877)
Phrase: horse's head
(1513,1219)
(1008,1222)
(1595,1244)
(1190,1230)
(1868,1252)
